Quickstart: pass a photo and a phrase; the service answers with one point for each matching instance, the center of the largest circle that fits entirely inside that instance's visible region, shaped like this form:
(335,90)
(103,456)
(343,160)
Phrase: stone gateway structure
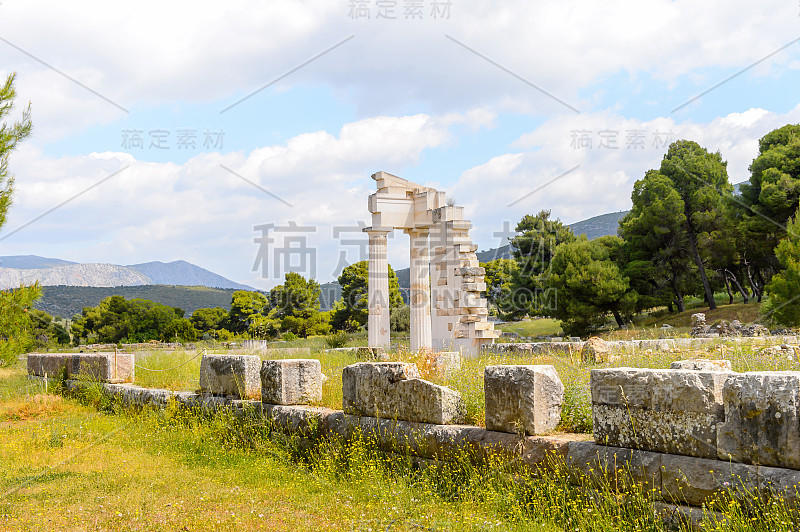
(447,310)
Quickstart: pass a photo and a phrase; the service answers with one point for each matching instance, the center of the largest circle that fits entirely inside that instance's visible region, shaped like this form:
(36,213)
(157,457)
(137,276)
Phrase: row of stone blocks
(700,409)
(103,367)
(282,382)
(519,399)
(672,478)
(636,346)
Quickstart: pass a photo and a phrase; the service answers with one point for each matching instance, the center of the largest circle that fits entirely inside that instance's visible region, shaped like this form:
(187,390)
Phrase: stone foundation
(102,367)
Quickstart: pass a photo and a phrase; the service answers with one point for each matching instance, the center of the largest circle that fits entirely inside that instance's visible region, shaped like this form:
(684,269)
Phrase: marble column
(420,290)
(378,288)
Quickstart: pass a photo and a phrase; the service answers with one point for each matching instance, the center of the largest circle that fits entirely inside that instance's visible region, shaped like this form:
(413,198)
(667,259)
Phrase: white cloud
(201,212)
(152,53)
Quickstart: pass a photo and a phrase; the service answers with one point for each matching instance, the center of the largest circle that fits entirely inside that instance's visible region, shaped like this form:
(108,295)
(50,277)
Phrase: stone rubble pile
(726,328)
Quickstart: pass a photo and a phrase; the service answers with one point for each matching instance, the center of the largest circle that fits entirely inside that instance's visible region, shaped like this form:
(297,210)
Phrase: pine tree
(783,291)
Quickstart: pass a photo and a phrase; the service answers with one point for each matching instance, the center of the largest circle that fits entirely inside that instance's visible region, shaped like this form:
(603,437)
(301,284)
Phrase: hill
(106,275)
(66,301)
(603,225)
(184,273)
(30,262)
(25,269)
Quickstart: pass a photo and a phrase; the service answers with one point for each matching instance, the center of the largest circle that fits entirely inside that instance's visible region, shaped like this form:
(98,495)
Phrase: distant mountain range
(67,301)
(25,269)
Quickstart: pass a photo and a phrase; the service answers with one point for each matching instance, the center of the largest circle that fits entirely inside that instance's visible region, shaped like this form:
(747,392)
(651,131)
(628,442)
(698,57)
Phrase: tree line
(289,310)
(687,234)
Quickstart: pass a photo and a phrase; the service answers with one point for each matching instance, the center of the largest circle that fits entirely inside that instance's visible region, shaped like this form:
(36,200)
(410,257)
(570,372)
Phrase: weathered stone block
(522,399)
(780,483)
(702,364)
(103,367)
(394,390)
(446,361)
(594,351)
(695,481)
(761,424)
(668,411)
(615,466)
(291,381)
(234,375)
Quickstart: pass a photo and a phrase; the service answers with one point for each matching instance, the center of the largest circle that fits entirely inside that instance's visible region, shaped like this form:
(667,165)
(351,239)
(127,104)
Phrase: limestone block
(595,351)
(695,481)
(394,390)
(761,424)
(235,375)
(284,351)
(780,483)
(701,364)
(446,361)
(615,466)
(666,410)
(103,367)
(293,381)
(522,399)
(48,364)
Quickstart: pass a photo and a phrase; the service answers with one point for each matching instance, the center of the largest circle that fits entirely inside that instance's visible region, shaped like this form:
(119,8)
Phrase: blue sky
(479,100)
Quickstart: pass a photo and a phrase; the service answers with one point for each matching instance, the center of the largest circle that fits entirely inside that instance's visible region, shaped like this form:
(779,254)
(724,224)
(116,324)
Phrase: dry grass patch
(32,407)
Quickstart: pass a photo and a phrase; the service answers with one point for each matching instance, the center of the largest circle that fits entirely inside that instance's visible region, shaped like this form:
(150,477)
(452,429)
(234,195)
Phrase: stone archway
(447,310)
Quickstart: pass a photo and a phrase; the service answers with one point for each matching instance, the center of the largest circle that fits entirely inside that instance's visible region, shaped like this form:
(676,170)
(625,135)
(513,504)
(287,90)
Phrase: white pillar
(378,288)
(420,290)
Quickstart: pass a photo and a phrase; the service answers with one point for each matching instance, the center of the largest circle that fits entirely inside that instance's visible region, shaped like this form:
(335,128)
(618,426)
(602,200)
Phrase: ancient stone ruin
(447,310)
(688,434)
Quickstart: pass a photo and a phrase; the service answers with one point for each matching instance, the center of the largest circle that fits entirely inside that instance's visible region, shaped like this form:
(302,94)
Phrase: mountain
(603,225)
(67,301)
(31,262)
(183,273)
(25,269)
(73,275)
(503,252)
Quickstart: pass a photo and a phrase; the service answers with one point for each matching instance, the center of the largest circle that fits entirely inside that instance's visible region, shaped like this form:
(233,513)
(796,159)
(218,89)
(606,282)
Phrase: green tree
(296,304)
(783,291)
(45,332)
(500,276)
(656,246)
(297,297)
(10,136)
(116,319)
(353,313)
(589,285)
(179,329)
(770,198)
(209,319)
(533,250)
(245,304)
(400,319)
(15,324)
(701,180)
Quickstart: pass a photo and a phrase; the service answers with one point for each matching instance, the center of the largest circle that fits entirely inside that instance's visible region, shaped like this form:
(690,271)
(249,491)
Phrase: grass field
(84,464)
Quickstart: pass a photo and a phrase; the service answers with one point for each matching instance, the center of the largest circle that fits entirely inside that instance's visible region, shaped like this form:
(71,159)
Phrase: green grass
(89,465)
(533,327)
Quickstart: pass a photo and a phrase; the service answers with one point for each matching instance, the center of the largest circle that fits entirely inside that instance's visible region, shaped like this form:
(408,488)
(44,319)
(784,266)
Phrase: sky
(241,136)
